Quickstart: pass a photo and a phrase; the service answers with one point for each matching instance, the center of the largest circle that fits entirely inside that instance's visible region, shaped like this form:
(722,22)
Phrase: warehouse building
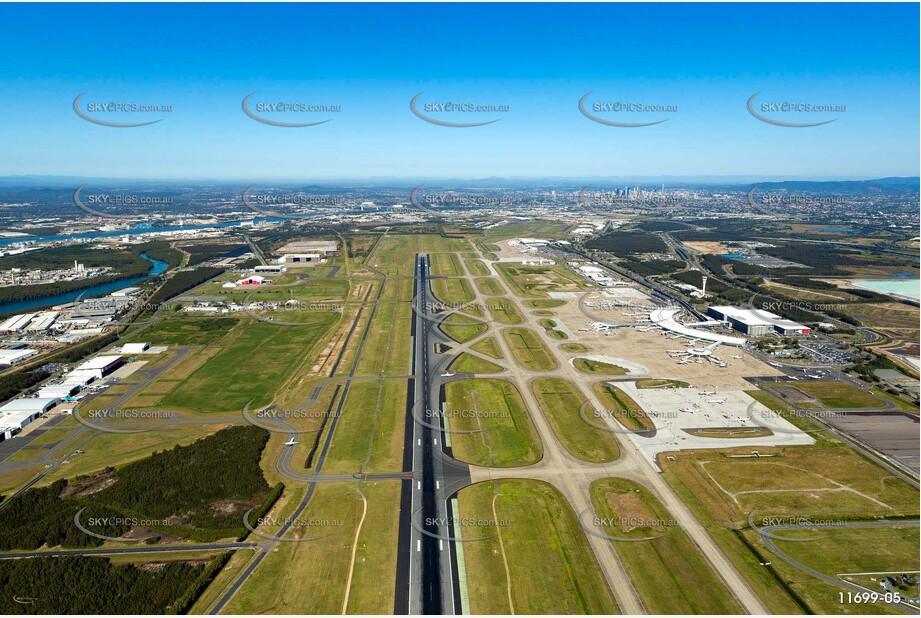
(300,259)
(100,366)
(12,357)
(323,247)
(135,348)
(756,323)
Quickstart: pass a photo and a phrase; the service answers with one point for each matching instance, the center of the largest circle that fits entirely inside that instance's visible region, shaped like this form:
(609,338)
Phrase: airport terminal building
(756,323)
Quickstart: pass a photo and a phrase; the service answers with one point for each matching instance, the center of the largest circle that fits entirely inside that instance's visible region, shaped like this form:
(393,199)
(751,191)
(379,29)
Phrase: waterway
(157,267)
(902,287)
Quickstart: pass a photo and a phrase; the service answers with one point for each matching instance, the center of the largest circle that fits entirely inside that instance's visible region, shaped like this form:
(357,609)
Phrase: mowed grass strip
(468,363)
(586,365)
(310,577)
(254,362)
(669,572)
(495,406)
(836,394)
(560,401)
(504,311)
(477,268)
(622,406)
(529,350)
(489,286)
(488,346)
(452,292)
(551,567)
(462,328)
(446,265)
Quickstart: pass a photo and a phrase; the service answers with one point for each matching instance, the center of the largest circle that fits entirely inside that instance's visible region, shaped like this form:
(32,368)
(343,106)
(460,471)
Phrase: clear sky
(539,60)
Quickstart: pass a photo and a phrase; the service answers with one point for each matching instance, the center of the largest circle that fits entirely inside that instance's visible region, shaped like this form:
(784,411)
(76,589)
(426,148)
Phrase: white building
(135,348)
(12,357)
(101,365)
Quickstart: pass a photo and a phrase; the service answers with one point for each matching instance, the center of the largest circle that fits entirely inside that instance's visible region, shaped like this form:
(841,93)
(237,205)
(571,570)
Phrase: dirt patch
(707,247)
(88,486)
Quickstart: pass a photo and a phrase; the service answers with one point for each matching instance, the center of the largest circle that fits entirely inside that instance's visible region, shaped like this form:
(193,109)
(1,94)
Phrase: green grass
(586,365)
(462,329)
(445,265)
(560,401)
(504,311)
(488,346)
(669,572)
(477,268)
(490,286)
(253,363)
(545,303)
(495,405)
(626,411)
(574,347)
(552,569)
(452,291)
(467,363)
(653,383)
(834,394)
(529,350)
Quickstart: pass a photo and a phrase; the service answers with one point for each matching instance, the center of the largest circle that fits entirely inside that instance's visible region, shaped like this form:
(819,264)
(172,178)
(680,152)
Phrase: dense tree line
(626,243)
(199,491)
(11,384)
(94,585)
(204,252)
(183,281)
(652,267)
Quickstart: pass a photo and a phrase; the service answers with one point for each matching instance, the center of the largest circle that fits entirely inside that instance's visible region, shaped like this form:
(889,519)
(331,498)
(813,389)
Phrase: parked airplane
(707,393)
(688,410)
(716,401)
(290,442)
(449,374)
(772,364)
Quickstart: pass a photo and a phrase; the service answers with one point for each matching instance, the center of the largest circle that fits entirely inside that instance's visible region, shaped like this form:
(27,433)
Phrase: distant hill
(890,185)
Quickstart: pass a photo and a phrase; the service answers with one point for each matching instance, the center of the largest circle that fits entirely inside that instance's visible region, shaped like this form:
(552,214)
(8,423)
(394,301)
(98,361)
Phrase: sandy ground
(707,247)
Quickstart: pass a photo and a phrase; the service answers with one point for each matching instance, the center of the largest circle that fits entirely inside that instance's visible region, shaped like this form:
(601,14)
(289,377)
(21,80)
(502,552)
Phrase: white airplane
(290,442)
(735,356)
(794,378)
(690,410)
(684,361)
(775,364)
(716,401)
(707,393)
(448,374)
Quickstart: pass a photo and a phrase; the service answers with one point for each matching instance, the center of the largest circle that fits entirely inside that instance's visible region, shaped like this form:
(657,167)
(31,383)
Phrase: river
(157,267)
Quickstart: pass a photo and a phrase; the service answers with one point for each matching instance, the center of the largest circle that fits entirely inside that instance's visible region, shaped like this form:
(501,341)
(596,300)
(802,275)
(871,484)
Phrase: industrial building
(100,366)
(322,247)
(300,259)
(756,322)
(11,357)
(135,348)
(20,412)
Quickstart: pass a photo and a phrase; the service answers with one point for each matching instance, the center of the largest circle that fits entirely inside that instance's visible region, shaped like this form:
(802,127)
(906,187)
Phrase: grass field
(494,405)
(653,383)
(529,350)
(819,482)
(545,303)
(446,265)
(573,347)
(834,394)
(489,347)
(175,329)
(252,363)
(626,411)
(504,311)
(489,286)
(310,577)
(849,550)
(452,292)
(586,365)
(560,401)
(371,427)
(462,329)
(477,268)
(467,363)
(538,280)
(551,568)
(669,572)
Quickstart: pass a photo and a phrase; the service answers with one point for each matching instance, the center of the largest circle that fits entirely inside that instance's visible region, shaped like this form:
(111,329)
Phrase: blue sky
(537,59)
